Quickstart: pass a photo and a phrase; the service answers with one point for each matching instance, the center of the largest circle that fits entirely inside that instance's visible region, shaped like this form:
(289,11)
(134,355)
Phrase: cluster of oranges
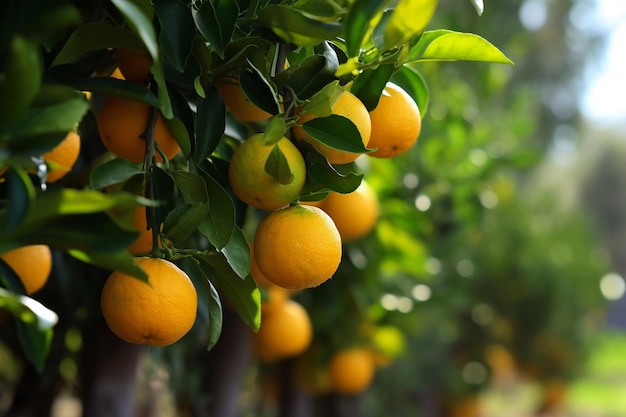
(298,245)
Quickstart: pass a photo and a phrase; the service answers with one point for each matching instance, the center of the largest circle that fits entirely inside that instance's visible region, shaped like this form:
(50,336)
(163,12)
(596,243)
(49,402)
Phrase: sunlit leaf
(409,19)
(447,45)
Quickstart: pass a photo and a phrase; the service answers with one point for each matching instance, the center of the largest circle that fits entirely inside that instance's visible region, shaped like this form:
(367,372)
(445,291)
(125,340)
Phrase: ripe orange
(297,247)
(134,64)
(355,214)
(237,102)
(351,370)
(121,121)
(350,107)
(274,292)
(158,312)
(253,185)
(285,331)
(32,264)
(62,157)
(396,123)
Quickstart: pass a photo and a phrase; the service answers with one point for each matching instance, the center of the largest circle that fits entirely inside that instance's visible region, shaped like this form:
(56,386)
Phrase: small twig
(149,164)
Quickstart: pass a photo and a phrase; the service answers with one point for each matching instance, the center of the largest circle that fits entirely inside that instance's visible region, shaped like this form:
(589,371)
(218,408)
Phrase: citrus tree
(167,142)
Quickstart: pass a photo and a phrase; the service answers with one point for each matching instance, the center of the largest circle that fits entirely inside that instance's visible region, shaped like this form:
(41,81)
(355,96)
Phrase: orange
(355,214)
(253,185)
(32,264)
(134,64)
(158,312)
(121,121)
(297,247)
(350,107)
(62,157)
(237,102)
(351,370)
(396,123)
(274,292)
(285,331)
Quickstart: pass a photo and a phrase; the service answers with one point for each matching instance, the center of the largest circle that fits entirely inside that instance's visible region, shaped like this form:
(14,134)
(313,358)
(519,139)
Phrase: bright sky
(605,98)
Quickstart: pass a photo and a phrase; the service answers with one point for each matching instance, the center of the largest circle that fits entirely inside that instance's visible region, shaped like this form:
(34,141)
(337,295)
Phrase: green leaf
(164,98)
(120,261)
(20,195)
(110,86)
(447,45)
(360,21)
(411,81)
(183,221)
(323,102)
(209,302)
(216,22)
(113,171)
(368,86)
(177,31)
(342,179)
(35,324)
(9,279)
(336,131)
(216,318)
(277,166)
(210,123)
(258,90)
(295,27)
(73,219)
(314,72)
(409,19)
(94,36)
(242,293)
(141,23)
(219,225)
(237,253)
(56,120)
(275,130)
(192,186)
